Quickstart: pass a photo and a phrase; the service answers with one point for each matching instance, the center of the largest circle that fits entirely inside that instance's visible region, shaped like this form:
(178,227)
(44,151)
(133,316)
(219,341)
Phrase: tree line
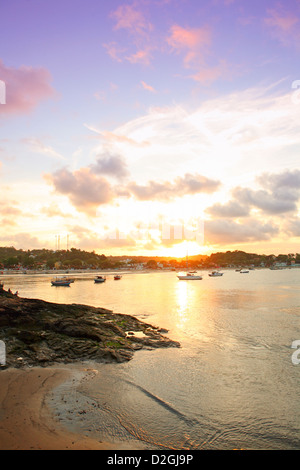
(10,257)
(74,258)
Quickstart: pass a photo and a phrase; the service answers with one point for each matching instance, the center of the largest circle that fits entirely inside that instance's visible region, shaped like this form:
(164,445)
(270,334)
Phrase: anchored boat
(61,282)
(189,277)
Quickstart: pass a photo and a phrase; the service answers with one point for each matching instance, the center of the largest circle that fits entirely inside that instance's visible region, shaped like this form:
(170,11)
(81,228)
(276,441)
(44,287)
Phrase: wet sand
(26,421)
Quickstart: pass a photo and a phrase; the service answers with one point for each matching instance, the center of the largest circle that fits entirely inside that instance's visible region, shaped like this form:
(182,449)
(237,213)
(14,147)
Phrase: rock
(42,333)
(162,330)
(29,337)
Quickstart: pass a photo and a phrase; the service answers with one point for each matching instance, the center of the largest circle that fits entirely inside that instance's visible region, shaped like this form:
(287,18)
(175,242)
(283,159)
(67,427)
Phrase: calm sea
(231,385)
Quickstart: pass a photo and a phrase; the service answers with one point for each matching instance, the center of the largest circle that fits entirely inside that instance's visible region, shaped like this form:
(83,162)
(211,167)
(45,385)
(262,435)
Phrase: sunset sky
(150,126)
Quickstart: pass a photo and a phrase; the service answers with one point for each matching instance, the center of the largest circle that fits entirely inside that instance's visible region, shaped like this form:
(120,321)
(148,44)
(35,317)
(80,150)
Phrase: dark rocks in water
(37,332)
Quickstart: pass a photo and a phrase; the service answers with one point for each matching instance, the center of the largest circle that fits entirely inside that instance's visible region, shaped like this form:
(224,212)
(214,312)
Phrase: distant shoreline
(59,272)
(111,272)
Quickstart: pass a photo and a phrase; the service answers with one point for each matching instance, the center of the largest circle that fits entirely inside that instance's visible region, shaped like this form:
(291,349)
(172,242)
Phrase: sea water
(231,385)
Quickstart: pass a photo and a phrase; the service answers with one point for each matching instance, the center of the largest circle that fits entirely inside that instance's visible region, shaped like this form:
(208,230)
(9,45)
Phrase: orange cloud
(141,56)
(283,26)
(20,240)
(133,20)
(85,190)
(10,210)
(194,43)
(208,74)
(10,222)
(148,87)
(112,137)
(114,51)
(284,23)
(166,191)
(191,40)
(226,231)
(25,87)
(39,147)
(128,17)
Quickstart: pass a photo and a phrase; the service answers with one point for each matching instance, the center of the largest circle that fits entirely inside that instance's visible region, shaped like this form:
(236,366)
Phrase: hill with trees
(12,258)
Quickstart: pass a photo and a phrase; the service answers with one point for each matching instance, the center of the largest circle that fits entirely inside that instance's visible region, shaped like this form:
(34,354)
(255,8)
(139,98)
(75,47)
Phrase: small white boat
(244,271)
(99,279)
(60,282)
(189,277)
(215,274)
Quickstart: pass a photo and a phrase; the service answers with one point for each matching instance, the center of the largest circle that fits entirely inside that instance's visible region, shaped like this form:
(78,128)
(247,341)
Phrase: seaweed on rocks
(40,333)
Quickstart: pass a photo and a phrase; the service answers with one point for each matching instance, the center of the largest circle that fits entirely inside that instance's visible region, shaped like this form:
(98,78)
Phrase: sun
(184,249)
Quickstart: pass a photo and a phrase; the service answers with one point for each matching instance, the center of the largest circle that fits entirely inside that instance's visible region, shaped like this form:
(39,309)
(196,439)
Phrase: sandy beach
(26,423)
(66,339)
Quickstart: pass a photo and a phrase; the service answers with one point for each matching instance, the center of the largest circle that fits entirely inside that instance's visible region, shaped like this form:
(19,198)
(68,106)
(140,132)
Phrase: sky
(150,127)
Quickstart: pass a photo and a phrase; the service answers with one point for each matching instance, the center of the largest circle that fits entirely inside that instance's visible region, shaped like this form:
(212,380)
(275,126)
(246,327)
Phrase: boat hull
(62,284)
(189,278)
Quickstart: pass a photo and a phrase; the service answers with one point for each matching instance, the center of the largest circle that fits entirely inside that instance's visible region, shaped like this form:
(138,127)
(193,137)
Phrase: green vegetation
(113,344)
(241,258)
(11,258)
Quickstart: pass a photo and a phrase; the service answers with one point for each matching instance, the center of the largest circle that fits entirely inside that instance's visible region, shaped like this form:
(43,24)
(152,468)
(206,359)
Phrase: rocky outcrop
(42,333)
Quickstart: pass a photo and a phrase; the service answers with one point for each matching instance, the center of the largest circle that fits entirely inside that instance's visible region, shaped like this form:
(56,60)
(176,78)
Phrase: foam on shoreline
(27,422)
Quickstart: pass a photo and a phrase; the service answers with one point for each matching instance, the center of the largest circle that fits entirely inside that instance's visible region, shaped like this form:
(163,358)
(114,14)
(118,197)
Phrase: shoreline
(27,422)
(48,345)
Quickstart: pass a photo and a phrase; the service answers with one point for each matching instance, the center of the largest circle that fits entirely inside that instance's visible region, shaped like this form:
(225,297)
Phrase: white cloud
(230,209)
(225,231)
(182,186)
(111,165)
(85,190)
(230,138)
(39,147)
(246,141)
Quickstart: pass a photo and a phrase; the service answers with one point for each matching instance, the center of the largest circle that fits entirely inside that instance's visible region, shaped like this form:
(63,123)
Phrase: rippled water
(232,384)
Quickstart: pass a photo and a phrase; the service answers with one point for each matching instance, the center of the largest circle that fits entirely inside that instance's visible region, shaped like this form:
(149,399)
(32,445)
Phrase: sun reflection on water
(184,298)
(195,312)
